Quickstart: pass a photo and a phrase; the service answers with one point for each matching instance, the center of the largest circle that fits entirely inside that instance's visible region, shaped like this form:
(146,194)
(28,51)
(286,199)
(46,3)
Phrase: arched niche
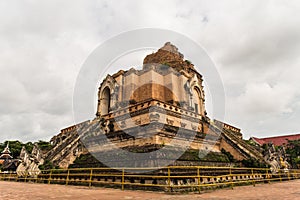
(197,100)
(105,101)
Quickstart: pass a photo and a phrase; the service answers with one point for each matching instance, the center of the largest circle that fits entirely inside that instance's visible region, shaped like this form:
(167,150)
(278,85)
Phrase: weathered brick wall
(237,155)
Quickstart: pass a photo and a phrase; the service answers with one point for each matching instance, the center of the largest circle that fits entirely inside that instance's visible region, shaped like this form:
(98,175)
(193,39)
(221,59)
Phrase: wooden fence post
(123,178)
(231,179)
(9,175)
(91,177)
(199,183)
(50,176)
(67,179)
(279,176)
(26,174)
(169,179)
(267,175)
(253,180)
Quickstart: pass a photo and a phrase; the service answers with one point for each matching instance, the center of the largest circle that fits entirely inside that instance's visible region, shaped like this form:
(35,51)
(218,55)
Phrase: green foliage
(228,154)
(47,165)
(296,161)
(196,155)
(188,62)
(265,147)
(16,147)
(28,146)
(86,161)
(250,142)
(293,149)
(251,162)
(215,157)
(190,155)
(44,146)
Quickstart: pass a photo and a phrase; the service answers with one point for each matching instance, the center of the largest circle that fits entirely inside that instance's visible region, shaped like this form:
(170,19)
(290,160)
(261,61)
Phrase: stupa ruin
(153,110)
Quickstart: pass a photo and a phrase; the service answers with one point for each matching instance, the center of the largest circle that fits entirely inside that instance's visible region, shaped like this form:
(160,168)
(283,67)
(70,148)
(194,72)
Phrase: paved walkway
(21,191)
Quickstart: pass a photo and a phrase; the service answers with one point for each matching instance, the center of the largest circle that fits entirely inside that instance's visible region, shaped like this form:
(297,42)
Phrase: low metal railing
(172,178)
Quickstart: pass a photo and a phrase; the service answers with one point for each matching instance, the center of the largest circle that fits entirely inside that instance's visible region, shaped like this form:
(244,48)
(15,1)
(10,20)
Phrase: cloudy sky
(254,44)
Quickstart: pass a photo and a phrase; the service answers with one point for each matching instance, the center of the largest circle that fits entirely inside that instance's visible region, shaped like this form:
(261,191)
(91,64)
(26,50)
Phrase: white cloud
(43,45)
(263,99)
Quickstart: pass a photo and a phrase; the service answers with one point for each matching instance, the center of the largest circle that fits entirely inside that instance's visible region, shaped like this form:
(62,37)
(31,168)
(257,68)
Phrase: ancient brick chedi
(161,106)
(167,94)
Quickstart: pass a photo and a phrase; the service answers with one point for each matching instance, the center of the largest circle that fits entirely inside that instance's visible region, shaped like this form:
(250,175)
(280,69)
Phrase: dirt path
(21,191)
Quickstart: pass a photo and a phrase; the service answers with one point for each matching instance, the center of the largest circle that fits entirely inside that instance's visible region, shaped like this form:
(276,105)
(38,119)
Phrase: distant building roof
(277,141)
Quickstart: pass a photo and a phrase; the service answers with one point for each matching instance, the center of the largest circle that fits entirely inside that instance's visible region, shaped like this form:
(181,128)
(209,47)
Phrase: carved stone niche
(122,124)
(154,117)
(138,122)
(194,127)
(183,125)
(170,122)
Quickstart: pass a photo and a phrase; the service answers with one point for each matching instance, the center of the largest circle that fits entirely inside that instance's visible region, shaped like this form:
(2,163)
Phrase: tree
(293,149)
(43,145)
(16,147)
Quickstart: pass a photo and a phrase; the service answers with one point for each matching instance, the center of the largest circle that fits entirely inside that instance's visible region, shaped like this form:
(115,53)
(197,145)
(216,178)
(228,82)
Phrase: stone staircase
(240,145)
(71,147)
(68,149)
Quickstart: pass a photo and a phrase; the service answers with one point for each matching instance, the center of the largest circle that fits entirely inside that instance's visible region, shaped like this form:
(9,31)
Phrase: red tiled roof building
(277,141)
